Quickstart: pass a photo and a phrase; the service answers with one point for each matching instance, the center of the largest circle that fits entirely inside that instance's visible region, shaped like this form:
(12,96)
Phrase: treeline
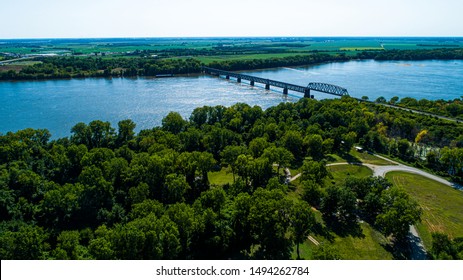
(104,193)
(298,60)
(441,54)
(77,67)
(448,108)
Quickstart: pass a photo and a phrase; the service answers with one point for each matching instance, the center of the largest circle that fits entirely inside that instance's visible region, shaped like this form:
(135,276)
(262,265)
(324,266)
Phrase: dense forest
(448,108)
(106,193)
(79,67)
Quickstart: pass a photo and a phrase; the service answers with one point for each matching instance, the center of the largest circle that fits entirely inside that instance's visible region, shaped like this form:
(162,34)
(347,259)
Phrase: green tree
(257,146)
(403,147)
(314,145)
(443,248)
(326,252)
(315,171)
(68,243)
(293,142)
(139,193)
(278,155)
(339,207)
(20,241)
(184,217)
(60,206)
(175,189)
(312,192)
(381,99)
(174,123)
(126,132)
(269,217)
(102,134)
(230,154)
(302,221)
(399,213)
(394,100)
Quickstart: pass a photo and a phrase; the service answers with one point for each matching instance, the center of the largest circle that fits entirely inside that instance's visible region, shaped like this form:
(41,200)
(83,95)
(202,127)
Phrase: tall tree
(302,221)
(399,213)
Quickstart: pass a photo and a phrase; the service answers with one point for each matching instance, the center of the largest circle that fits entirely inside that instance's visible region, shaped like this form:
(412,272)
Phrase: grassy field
(442,205)
(268,47)
(208,59)
(355,156)
(341,172)
(369,158)
(221,177)
(370,246)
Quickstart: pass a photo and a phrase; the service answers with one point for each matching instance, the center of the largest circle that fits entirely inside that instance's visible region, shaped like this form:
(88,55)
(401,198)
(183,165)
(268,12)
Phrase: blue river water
(59,104)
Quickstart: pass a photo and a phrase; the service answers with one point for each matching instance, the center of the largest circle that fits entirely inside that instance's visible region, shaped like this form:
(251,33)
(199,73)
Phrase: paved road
(418,250)
(416,244)
(382,170)
(417,247)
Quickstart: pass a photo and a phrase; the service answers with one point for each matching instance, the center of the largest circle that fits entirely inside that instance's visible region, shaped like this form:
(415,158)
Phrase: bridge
(320,87)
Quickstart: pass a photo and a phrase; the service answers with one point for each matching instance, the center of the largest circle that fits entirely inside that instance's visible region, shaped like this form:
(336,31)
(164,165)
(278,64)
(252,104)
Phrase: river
(59,104)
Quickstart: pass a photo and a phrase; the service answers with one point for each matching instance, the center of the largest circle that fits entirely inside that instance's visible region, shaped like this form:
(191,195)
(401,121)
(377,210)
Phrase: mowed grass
(355,156)
(341,172)
(371,246)
(222,177)
(370,159)
(442,205)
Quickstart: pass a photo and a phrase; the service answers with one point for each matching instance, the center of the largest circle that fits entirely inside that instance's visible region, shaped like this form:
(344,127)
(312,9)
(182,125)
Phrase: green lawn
(341,172)
(372,246)
(369,158)
(221,177)
(442,205)
(355,156)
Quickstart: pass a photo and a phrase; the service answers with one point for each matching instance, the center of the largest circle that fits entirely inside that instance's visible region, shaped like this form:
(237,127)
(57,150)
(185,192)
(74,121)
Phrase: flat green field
(224,48)
(370,159)
(341,172)
(442,205)
(371,246)
(355,156)
(221,177)
(208,59)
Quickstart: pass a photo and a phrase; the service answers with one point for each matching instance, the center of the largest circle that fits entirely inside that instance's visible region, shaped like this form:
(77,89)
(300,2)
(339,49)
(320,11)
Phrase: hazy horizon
(46,19)
(235,37)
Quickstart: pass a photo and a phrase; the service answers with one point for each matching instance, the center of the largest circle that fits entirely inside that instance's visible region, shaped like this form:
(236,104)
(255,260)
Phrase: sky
(237,18)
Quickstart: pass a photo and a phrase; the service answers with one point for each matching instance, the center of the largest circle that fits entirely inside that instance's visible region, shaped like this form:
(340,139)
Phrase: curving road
(417,247)
(382,170)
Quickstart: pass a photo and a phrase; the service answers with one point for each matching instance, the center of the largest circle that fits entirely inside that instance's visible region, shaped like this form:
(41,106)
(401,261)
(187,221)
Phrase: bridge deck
(321,87)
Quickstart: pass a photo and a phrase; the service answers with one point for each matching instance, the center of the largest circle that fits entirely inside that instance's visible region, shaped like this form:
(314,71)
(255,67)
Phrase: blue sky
(204,18)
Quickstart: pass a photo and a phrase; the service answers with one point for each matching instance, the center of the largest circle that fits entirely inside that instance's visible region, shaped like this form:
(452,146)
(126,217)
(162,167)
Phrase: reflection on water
(60,104)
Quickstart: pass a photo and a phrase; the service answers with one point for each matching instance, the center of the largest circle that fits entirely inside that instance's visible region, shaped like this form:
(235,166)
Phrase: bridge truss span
(321,87)
(328,88)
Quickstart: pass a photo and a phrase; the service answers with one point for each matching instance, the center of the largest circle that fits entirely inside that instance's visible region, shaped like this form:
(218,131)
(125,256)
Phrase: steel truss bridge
(320,87)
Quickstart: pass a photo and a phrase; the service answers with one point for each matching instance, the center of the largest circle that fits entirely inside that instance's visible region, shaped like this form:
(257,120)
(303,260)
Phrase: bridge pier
(307,93)
(321,87)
